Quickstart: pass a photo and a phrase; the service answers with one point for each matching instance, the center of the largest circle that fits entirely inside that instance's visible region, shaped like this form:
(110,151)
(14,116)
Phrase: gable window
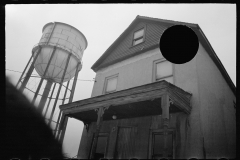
(111,84)
(138,37)
(162,70)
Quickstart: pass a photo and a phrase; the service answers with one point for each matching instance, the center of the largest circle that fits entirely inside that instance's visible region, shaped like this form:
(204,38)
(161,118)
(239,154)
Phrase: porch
(158,98)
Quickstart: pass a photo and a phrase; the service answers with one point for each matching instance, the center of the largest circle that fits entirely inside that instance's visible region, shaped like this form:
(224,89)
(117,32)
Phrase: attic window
(138,37)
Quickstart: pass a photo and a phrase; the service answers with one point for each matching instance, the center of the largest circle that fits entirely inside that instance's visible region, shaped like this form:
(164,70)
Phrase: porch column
(165,118)
(99,123)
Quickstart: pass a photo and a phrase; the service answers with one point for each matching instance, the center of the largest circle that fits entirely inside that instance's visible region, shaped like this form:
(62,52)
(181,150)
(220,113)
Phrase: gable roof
(202,38)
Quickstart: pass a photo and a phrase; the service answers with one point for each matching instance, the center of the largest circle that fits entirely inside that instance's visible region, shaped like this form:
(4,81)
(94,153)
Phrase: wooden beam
(157,86)
(99,123)
(64,124)
(165,117)
(155,90)
(116,101)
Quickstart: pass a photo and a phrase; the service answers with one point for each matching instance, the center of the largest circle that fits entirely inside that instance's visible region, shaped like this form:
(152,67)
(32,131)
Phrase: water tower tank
(67,40)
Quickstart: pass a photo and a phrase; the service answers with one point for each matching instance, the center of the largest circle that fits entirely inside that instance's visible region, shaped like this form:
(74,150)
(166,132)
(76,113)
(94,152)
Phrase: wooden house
(143,106)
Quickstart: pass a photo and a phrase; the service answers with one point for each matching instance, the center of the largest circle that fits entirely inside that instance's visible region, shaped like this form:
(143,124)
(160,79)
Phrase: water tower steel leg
(45,95)
(55,102)
(70,100)
(40,84)
(50,99)
(30,70)
(64,126)
(59,115)
(74,83)
(24,71)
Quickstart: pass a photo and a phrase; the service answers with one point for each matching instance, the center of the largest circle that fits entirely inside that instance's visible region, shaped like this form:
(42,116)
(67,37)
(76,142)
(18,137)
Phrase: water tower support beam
(24,70)
(62,128)
(55,102)
(70,100)
(40,84)
(45,95)
(59,115)
(50,99)
(74,83)
(30,70)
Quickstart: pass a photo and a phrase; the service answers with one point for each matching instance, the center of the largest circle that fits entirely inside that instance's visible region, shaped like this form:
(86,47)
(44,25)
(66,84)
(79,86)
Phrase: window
(163,70)
(110,84)
(138,37)
(157,145)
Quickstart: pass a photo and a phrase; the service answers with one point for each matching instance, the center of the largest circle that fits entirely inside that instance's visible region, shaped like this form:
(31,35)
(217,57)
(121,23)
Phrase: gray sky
(102,24)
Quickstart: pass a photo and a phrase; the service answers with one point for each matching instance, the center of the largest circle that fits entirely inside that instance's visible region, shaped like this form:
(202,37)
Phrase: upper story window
(162,70)
(111,84)
(138,37)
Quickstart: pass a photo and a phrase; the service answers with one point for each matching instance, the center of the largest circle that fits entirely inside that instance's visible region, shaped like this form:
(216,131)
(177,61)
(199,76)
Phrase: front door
(125,145)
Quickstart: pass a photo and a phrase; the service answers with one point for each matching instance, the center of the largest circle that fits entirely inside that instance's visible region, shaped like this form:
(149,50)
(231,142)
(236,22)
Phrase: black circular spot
(179,44)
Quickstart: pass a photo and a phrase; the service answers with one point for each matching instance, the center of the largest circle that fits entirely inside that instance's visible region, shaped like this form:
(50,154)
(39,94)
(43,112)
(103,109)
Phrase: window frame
(154,75)
(144,33)
(106,82)
(161,131)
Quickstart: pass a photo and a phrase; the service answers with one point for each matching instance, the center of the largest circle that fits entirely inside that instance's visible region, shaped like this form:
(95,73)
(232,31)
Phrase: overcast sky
(102,24)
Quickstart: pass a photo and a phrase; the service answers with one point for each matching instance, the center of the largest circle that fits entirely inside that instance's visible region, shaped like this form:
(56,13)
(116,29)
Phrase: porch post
(165,118)
(99,123)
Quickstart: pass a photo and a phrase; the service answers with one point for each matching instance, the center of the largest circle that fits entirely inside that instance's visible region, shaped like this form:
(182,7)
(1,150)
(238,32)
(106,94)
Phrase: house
(143,106)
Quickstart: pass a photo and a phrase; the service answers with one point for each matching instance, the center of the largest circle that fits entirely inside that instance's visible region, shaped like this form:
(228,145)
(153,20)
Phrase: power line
(40,77)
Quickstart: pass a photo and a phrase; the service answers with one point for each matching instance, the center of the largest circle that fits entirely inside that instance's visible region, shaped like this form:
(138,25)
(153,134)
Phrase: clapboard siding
(125,48)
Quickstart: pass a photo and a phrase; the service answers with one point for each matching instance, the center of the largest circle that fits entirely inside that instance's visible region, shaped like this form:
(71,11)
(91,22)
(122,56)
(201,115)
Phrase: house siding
(213,116)
(212,98)
(217,112)
(132,72)
(125,49)
(212,121)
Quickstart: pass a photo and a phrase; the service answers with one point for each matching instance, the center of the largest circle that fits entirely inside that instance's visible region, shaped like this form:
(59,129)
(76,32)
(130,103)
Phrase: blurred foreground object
(27,134)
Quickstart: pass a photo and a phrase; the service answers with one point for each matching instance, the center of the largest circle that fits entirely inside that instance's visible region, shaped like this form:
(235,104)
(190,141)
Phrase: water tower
(57,58)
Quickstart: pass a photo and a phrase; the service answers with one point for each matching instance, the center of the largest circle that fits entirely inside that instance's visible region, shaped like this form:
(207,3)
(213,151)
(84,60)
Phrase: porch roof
(139,101)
